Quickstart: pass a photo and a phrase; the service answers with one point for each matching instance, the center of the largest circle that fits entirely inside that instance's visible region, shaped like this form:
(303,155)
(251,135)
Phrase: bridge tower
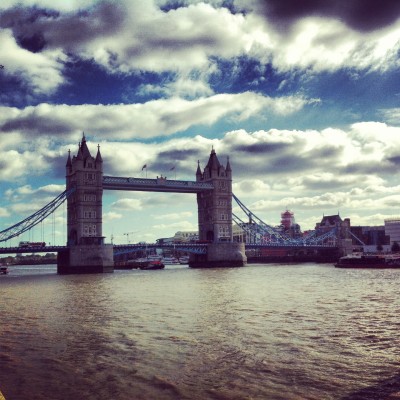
(86,251)
(215,218)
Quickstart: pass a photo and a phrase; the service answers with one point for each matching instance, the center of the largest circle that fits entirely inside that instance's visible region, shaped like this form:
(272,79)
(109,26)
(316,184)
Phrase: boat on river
(170,260)
(378,261)
(3,270)
(152,264)
(184,260)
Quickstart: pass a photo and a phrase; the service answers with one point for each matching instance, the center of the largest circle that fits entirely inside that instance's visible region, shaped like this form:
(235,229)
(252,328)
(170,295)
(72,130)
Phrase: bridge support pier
(86,259)
(220,255)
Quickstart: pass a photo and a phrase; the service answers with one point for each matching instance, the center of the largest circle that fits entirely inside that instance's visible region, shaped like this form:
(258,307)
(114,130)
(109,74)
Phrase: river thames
(279,332)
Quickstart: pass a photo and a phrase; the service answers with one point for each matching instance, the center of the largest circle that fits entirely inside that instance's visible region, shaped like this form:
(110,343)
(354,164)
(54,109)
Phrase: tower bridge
(87,252)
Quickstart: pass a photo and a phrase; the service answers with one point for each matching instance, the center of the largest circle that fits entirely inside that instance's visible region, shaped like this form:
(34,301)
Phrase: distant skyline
(303,96)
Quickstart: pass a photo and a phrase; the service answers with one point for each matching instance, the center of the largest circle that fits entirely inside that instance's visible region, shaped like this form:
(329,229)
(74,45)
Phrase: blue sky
(303,96)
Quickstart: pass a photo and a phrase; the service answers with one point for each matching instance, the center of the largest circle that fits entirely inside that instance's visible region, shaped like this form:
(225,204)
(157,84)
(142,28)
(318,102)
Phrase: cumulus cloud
(177,226)
(127,204)
(111,215)
(133,36)
(41,72)
(173,216)
(392,115)
(151,119)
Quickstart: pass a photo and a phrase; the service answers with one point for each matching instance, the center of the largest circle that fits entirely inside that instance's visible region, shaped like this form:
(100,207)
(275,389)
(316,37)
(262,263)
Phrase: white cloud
(65,5)
(14,164)
(392,115)
(151,119)
(41,71)
(324,44)
(4,212)
(173,216)
(176,226)
(128,204)
(111,215)
(134,36)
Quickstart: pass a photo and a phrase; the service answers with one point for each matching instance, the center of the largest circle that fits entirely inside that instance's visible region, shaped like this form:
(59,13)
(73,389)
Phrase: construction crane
(127,235)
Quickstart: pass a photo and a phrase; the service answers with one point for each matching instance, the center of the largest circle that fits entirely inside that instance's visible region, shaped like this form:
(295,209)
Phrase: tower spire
(99,159)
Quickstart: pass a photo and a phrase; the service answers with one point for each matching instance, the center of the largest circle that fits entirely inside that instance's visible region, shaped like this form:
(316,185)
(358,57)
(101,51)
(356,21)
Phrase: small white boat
(170,261)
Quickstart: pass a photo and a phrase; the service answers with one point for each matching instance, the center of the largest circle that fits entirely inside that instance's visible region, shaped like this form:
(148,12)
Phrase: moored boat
(3,270)
(170,260)
(184,260)
(369,261)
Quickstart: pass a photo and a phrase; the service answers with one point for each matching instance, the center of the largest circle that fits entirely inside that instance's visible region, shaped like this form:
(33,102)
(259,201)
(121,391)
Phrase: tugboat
(377,261)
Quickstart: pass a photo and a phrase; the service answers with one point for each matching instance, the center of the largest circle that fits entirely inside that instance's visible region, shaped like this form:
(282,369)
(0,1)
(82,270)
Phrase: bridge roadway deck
(154,185)
(195,247)
(20,250)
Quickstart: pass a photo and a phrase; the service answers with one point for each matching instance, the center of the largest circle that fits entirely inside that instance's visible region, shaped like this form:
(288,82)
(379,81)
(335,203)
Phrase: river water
(304,331)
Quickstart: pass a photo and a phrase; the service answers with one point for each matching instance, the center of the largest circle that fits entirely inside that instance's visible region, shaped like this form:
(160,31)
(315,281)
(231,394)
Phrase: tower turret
(215,207)
(85,175)
(86,251)
(198,172)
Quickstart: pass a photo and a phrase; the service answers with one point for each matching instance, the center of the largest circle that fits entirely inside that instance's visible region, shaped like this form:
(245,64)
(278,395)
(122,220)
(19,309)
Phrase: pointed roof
(69,162)
(213,162)
(331,219)
(228,166)
(198,172)
(79,156)
(99,159)
(84,148)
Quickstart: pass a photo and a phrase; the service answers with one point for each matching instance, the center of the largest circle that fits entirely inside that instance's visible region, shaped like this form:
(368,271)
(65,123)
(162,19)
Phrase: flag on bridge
(144,166)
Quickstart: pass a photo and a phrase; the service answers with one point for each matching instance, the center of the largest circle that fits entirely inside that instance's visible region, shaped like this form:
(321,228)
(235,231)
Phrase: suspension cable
(35,218)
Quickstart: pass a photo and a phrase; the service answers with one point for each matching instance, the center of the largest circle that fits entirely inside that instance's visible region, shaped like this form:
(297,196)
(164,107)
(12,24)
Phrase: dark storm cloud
(367,168)
(394,160)
(281,164)
(36,125)
(168,159)
(56,166)
(178,155)
(36,29)
(362,15)
(261,148)
(328,184)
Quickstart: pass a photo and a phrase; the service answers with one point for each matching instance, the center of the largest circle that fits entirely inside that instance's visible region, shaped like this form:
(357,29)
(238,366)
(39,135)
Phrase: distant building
(392,229)
(162,241)
(288,225)
(330,222)
(180,237)
(246,233)
(183,237)
(341,238)
(370,235)
(369,238)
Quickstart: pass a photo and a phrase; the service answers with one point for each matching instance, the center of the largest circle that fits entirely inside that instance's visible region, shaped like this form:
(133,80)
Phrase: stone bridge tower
(215,218)
(84,173)
(86,249)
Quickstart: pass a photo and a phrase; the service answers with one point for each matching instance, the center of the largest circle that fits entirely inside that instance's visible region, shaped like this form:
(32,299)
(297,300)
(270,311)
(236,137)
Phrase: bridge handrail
(157,181)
